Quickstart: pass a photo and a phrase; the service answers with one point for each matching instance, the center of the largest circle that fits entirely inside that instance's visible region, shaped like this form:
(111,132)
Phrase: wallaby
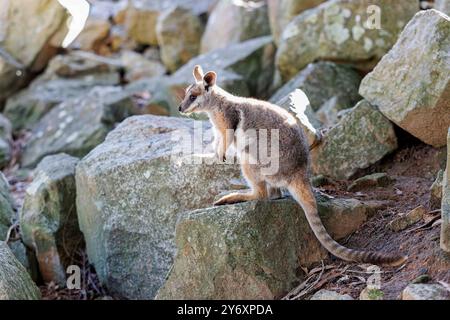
(236,115)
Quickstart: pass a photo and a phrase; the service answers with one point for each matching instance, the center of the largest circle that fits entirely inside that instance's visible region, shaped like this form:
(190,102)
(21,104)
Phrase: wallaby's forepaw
(221,157)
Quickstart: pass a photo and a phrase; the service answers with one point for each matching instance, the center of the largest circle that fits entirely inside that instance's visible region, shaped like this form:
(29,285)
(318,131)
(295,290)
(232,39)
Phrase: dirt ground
(414,167)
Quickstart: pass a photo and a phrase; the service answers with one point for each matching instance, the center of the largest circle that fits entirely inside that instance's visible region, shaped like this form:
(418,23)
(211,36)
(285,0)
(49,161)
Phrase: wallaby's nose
(179,108)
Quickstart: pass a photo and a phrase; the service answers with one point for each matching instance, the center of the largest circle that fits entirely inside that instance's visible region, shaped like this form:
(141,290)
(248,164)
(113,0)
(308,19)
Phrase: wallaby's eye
(192,97)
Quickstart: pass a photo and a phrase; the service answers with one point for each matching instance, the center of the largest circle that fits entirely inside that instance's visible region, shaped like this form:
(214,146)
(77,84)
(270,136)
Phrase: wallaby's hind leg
(258,189)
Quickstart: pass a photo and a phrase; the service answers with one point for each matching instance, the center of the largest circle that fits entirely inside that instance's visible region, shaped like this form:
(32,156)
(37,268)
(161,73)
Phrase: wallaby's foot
(235,197)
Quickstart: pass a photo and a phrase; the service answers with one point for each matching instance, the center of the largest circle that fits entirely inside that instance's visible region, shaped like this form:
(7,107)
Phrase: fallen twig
(425,225)
(298,291)
(308,289)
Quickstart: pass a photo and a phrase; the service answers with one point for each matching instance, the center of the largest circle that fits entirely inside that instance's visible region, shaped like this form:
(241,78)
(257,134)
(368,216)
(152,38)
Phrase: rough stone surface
(94,35)
(155,96)
(407,219)
(179,33)
(66,77)
(130,191)
(379,179)
(323,82)
(26,257)
(425,292)
(252,250)
(342,30)
(6,207)
(15,282)
(281,12)
(445,207)
(98,34)
(443,6)
(235,21)
(137,66)
(19,40)
(5,141)
(141,16)
(360,139)
(140,22)
(249,62)
(411,85)
(48,218)
(330,295)
(321,180)
(77,125)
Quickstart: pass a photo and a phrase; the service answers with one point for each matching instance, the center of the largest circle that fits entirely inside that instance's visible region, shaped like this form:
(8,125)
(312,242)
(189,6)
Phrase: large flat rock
(411,84)
(252,250)
(131,190)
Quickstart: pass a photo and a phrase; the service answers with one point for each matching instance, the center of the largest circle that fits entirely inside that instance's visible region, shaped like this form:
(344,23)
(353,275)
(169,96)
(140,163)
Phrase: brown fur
(228,112)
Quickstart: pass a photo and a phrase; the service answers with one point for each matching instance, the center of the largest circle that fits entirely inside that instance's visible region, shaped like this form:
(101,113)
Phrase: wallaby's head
(196,94)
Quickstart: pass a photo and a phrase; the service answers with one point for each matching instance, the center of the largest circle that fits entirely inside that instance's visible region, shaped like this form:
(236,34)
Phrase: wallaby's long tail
(301,190)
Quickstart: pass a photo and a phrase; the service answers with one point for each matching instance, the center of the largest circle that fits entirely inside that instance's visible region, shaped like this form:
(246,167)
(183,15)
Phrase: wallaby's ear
(198,73)
(209,79)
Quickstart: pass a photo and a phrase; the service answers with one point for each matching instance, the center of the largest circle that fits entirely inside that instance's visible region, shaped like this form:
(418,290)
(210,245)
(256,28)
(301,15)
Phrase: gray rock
(6,207)
(77,125)
(410,85)
(445,207)
(26,257)
(360,139)
(443,6)
(137,66)
(325,81)
(22,48)
(281,12)
(233,22)
(330,295)
(342,30)
(5,128)
(249,62)
(379,179)
(422,291)
(252,250)
(48,218)
(15,282)
(99,32)
(76,64)
(179,33)
(5,141)
(130,191)
(66,77)
(95,34)
(407,219)
(141,16)
(12,78)
(154,96)
(5,152)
